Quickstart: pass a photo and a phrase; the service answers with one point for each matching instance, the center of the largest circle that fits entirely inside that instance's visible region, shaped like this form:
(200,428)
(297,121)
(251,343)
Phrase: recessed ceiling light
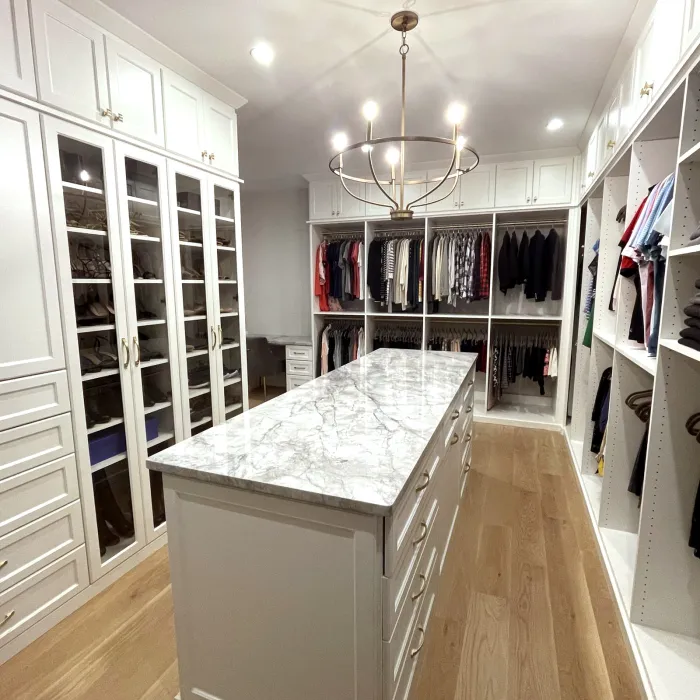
(263,53)
(555,124)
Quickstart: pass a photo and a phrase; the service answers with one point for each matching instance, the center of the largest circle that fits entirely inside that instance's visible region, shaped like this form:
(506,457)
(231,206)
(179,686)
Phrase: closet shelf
(98,375)
(91,280)
(228,314)
(107,462)
(189,212)
(200,317)
(227,219)
(140,281)
(681,349)
(162,437)
(607,338)
(341,313)
(191,244)
(85,231)
(621,548)
(524,317)
(104,426)
(686,250)
(194,393)
(140,200)
(143,237)
(101,328)
(232,381)
(398,314)
(228,281)
(192,281)
(157,407)
(201,421)
(197,353)
(153,363)
(470,317)
(81,188)
(151,322)
(692,155)
(228,248)
(230,346)
(233,407)
(639,356)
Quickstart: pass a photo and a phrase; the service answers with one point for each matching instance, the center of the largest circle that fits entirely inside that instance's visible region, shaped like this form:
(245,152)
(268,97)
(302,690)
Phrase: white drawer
(33,546)
(33,398)
(34,444)
(298,352)
(398,589)
(31,494)
(299,368)
(407,522)
(294,382)
(409,636)
(26,603)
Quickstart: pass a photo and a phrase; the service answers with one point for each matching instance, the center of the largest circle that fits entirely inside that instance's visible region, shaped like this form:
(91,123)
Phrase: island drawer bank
(307,536)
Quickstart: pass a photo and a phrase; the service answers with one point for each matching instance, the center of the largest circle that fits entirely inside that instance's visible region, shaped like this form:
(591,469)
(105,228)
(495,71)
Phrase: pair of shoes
(97,359)
(189,273)
(157,498)
(230,373)
(198,378)
(142,314)
(223,242)
(94,415)
(109,513)
(143,269)
(196,310)
(153,395)
(93,264)
(196,343)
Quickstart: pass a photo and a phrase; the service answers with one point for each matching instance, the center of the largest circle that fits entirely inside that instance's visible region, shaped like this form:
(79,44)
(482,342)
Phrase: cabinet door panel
(184,116)
(553,178)
(373,194)
(451,201)
(221,140)
(692,22)
(478,188)
(16,61)
(644,71)
(514,183)
(350,208)
(135,92)
(29,316)
(322,200)
(70,59)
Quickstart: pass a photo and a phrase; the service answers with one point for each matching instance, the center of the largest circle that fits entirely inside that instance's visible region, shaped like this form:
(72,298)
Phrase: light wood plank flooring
(524,610)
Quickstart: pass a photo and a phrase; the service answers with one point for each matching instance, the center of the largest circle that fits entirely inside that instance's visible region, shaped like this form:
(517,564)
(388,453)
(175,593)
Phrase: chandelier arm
(361,199)
(381,189)
(447,174)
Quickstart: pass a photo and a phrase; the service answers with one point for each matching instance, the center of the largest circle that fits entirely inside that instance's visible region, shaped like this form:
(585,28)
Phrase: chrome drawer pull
(469,410)
(454,439)
(455,415)
(467,468)
(468,438)
(424,585)
(3,563)
(423,535)
(422,487)
(420,646)
(7,617)
(471,382)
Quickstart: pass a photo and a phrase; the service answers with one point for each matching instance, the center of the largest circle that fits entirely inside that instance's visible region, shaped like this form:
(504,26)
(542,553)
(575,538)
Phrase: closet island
(307,536)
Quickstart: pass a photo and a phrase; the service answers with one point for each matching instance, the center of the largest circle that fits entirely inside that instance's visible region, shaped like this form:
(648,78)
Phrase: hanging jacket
(513,260)
(374,269)
(536,285)
(504,265)
(523,260)
(555,272)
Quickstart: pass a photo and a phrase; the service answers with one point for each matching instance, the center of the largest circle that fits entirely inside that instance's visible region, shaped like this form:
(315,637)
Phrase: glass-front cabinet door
(194,298)
(100,357)
(149,291)
(224,216)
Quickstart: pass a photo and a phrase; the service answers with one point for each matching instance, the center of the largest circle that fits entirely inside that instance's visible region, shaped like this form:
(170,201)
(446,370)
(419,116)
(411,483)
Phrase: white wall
(276,261)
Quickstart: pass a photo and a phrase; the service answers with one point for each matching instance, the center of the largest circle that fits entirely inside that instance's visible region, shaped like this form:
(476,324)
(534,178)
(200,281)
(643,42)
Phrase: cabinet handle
(646,90)
(469,409)
(424,585)
(424,534)
(468,438)
(7,617)
(3,564)
(456,204)
(534,199)
(137,351)
(454,440)
(422,487)
(118,117)
(467,468)
(221,338)
(213,338)
(125,347)
(205,154)
(591,174)
(461,204)
(107,113)
(211,156)
(611,144)
(455,415)
(528,200)
(420,646)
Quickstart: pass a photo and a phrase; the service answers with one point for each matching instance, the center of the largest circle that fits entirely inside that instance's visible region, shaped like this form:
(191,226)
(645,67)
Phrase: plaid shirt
(485,265)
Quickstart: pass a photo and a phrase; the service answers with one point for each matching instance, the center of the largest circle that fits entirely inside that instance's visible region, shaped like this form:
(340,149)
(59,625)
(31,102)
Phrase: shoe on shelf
(199,413)
(231,373)
(142,314)
(113,515)
(198,378)
(106,537)
(155,394)
(111,400)
(93,413)
(107,356)
(196,343)
(197,310)
(89,362)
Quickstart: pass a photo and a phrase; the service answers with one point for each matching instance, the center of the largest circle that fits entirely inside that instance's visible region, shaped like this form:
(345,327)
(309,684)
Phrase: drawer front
(294,382)
(29,446)
(33,398)
(31,494)
(407,522)
(298,352)
(301,368)
(36,545)
(405,582)
(26,603)
(401,654)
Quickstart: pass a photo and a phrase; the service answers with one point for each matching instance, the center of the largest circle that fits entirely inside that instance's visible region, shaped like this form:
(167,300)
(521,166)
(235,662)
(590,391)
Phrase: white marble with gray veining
(350,440)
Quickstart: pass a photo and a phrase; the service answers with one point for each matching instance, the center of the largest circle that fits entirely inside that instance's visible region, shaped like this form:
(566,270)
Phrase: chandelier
(393,192)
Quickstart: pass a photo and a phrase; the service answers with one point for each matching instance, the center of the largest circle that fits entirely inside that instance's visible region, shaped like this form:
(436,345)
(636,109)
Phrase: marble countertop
(284,339)
(349,440)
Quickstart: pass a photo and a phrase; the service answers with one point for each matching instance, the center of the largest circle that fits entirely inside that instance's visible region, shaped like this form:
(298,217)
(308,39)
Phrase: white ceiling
(515,63)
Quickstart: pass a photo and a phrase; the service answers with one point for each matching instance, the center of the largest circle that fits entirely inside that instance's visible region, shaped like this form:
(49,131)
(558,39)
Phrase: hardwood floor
(524,610)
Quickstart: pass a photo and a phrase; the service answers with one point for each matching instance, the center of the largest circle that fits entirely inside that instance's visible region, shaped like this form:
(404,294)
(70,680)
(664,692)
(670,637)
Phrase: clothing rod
(515,224)
(398,233)
(342,234)
(529,322)
(488,227)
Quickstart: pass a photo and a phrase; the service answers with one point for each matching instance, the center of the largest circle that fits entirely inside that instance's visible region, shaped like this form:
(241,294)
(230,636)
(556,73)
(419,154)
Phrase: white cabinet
(514,183)
(220,134)
(184,116)
(478,188)
(135,92)
(691,23)
(16,60)
(591,157)
(449,190)
(70,59)
(627,101)
(328,199)
(347,207)
(29,315)
(612,126)
(322,199)
(552,181)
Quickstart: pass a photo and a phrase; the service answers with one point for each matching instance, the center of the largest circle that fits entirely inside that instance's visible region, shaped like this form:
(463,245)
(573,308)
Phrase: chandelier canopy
(393,192)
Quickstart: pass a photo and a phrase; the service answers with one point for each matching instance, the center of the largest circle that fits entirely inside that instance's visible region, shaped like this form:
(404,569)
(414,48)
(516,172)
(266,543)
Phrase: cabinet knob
(534,199)
(461,204)
(118,117)
(137,351)
(528,200)
(107,113)
(591,174)
(611,144)
(211,156)
(213,338)
(423,486)
(646,90)
(456,204)
(205,154)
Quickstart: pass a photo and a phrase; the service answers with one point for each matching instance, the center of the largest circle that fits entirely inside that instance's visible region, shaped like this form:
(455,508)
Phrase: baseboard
(70,606)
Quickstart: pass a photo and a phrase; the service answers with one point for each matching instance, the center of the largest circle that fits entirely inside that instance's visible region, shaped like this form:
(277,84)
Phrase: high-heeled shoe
(110,508)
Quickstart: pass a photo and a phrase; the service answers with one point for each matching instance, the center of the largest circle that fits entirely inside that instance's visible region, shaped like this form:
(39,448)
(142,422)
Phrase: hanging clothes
(461,340)
(394,272)
(338,273)
(393,335)
(340,343)
(600,410)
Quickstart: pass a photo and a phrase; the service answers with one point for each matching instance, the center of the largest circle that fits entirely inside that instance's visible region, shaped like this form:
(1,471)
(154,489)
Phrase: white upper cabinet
(184,116)
(346,205)
(16,61)
(221,135)
(373,194)
(30,317)
(612,125)
(451,202)
(328,199)
(691,22)
(322,200)
(135,92)
(478,188)
(514,183)
(626,101)
(70,58)
(552,181)
(591,159)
